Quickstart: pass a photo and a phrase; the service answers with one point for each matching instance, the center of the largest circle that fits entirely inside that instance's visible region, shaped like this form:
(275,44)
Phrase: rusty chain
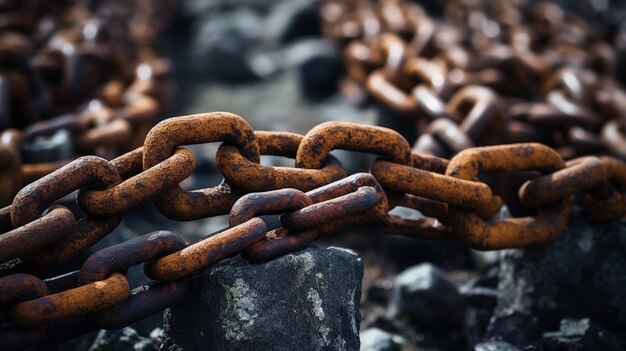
(87,75)
(491,73)
(457,206)
(458,197)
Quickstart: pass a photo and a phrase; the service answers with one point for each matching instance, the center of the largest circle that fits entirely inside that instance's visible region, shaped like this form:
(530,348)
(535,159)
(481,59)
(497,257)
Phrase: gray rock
(376,339)
(582,273)
(583,334)
(426,296)
(221,48)
(319,67)
(292,20)
(483,298)
(515,326)
(301,301)
(495,346)
(123,339)
(55,147)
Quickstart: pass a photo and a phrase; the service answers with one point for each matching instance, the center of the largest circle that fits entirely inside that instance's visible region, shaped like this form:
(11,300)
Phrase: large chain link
(400,56)
(314,197)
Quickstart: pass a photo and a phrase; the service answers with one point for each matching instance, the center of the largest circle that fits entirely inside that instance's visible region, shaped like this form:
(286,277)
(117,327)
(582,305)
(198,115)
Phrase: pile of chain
(402,57)
(315,198)
(491,72)
(76,78)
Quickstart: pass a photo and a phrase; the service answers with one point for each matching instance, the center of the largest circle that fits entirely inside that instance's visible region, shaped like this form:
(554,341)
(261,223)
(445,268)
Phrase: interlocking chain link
(402,57)
(458,204)
(491,73)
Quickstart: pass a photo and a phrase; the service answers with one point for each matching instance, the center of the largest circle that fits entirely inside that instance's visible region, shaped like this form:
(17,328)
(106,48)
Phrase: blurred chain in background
(76,78)
(499,75)
(487,73)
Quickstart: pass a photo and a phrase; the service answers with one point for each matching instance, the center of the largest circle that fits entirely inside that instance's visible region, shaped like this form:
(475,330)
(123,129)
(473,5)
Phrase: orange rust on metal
(579,175)
(350,184)
(129,164)
(87,232)
(195,129)
(20,287)
(51,227)
(84,299)
(616,171)
(114,133)
(269,249)
(571,113)
(323,138)
(389,49)
(319,213)
(122,256)
(10,162)
(429,162)
(122,197)
(454,191)
(33,199)
(30,172)
(252,176)
(207,251)
(448,132)
(278,143)
(282,240)
(615,138)
(141,110)
(429,103)
(357,56)
(429,73)
(143,302)
(515,232)
(504,158)
(10,142)
(612,206)
(270,202)
(480,109)
(382,89)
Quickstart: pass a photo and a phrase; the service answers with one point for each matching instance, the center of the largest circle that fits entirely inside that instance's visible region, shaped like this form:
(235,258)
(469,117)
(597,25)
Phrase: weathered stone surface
(582,334)
(426,296)
(305,300)
(514,326)
(56,147)
(376,339)
(126,339)
(495,346)
(582,273)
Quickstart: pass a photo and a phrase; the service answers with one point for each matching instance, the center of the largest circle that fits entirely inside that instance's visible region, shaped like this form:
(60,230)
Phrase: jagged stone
(305,300)
(426,296)
(581,273)
(376,339)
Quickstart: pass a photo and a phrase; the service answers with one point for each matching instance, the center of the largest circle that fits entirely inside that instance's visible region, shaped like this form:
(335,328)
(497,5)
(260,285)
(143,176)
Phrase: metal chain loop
(251,176)
(196,129)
